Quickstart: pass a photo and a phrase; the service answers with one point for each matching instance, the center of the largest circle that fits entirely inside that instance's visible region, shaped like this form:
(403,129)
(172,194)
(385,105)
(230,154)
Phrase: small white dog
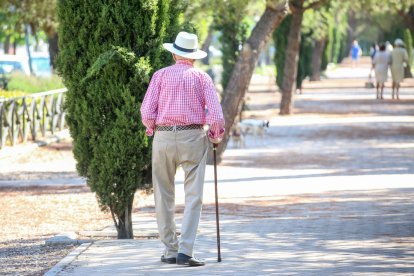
(254,127)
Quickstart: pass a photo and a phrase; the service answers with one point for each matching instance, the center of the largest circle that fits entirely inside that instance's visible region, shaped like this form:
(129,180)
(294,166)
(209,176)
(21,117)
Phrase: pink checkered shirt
(181,95)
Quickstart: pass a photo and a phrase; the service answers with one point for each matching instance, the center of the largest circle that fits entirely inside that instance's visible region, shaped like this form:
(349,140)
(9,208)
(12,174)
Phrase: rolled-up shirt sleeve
(214,116)
(149,106)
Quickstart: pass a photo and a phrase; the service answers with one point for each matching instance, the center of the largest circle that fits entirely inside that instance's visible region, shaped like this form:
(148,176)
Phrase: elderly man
(179,101)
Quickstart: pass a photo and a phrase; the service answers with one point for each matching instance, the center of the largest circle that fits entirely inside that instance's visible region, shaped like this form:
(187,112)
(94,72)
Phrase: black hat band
(184,49)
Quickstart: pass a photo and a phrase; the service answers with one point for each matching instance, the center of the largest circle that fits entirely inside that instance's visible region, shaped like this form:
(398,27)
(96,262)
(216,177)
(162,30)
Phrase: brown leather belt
(177,128)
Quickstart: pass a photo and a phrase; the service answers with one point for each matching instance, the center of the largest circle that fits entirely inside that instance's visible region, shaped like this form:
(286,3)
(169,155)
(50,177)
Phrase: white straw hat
(185,45)
(399,42)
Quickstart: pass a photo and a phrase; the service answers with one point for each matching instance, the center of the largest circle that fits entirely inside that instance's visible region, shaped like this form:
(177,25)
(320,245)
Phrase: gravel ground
(30,256)
(30,216)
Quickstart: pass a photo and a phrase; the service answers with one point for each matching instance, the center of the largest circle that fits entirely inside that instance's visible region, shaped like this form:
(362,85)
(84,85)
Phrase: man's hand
(214,140)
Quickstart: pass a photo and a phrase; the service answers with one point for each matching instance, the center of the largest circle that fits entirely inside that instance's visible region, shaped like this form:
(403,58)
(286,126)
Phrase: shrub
(408,40)
(120,149)
(106,48)
(327,53)
(280,37)
(11,94)
(305,60)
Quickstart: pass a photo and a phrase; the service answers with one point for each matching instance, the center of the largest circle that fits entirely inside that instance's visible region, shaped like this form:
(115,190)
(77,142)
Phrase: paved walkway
(367,231)
(327,192)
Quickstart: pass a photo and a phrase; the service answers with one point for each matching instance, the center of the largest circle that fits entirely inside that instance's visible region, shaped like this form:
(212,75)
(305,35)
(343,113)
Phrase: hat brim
(199,54)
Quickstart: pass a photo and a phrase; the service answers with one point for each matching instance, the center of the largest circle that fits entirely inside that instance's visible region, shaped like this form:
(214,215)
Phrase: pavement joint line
(52,182)
(55,270)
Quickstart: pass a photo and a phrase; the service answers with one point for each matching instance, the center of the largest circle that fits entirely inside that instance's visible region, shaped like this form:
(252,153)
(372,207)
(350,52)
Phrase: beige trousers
(170,149)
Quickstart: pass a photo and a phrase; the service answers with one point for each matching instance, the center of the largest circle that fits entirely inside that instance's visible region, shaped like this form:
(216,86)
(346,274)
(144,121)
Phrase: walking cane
(217,210)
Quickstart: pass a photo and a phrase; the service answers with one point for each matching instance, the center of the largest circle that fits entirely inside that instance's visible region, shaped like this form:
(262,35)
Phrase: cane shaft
(217,208)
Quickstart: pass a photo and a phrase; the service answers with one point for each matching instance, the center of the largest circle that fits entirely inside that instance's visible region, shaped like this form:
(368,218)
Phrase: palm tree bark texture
(240,78)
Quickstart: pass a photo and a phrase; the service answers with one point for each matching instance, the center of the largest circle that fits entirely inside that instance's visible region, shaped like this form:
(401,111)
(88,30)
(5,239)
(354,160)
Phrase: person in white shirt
(380,65)
(399,57)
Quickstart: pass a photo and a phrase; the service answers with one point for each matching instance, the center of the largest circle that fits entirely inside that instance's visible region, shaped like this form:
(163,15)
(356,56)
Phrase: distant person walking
(388,47)
(380,64)
(399,56)
(373,50)
(179,101)
(355,53)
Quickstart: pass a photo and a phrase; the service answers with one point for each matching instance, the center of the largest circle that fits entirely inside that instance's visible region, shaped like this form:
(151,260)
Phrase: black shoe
(183,259)
(171,260)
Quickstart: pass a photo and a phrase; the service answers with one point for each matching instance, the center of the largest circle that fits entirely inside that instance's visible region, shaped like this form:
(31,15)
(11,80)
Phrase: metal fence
(28,117)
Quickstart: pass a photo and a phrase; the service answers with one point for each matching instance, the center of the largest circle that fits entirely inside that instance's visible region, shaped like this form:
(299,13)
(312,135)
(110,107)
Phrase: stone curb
(55,182)
(69,238)
(67,260)
(114,234)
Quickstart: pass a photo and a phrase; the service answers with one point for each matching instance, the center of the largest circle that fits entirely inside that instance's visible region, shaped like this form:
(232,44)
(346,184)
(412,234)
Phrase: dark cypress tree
(336,47)
(305,60)
(109,49)
(408,40)
(121,151)
(327,52)
(280,36)
(305,53)
(233,34)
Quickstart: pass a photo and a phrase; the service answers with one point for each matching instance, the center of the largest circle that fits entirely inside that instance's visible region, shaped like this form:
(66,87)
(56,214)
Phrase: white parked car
(41,64)
(12,63)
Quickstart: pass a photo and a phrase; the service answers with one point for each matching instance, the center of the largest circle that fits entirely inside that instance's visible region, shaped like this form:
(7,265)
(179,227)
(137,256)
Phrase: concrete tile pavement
(273,224)
(336,233)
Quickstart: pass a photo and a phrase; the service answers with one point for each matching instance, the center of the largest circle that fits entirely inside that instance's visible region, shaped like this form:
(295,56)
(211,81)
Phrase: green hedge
(109,50)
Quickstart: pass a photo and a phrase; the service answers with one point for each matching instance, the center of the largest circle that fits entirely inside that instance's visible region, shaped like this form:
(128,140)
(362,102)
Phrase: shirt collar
(184,62)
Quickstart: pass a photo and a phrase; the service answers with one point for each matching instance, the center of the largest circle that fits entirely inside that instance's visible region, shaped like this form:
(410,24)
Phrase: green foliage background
(408,40)
(305,60)
(231,21)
